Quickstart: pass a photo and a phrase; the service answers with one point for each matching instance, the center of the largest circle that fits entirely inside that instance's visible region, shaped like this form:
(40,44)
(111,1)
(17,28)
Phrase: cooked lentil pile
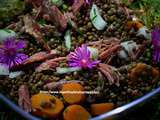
(100,48)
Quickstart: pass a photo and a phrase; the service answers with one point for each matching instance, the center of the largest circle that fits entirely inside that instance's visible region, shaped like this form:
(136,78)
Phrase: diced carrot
(46,105)
(73,97)
(140,68)
(97,109)
(138,25)
(134,24)
(76,112)
(155,73)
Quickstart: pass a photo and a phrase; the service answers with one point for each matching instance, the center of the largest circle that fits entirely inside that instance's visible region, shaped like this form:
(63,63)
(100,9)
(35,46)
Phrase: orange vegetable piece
(134,24)
(140,68)
(73,98)
(76,112)
(46,105)
(155,73)
(138,25)
(97,109)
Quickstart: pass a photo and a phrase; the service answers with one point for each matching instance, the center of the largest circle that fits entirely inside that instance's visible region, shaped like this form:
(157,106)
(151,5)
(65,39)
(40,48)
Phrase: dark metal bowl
(114,113)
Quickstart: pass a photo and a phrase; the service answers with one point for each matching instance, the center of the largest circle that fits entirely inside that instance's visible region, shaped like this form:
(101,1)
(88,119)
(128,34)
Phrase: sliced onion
(144,32)
(15,74)
(6,33)
(67,38)
(128,46)
(98,22)
(94,52)
(4,70)
(67,70)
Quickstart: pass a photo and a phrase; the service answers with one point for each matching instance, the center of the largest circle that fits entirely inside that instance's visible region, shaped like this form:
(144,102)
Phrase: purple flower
(156,44)
(81,57)
(10,52)
(88,1)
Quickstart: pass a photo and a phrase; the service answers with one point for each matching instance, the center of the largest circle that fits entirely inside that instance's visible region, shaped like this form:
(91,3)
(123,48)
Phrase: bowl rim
(115,112)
